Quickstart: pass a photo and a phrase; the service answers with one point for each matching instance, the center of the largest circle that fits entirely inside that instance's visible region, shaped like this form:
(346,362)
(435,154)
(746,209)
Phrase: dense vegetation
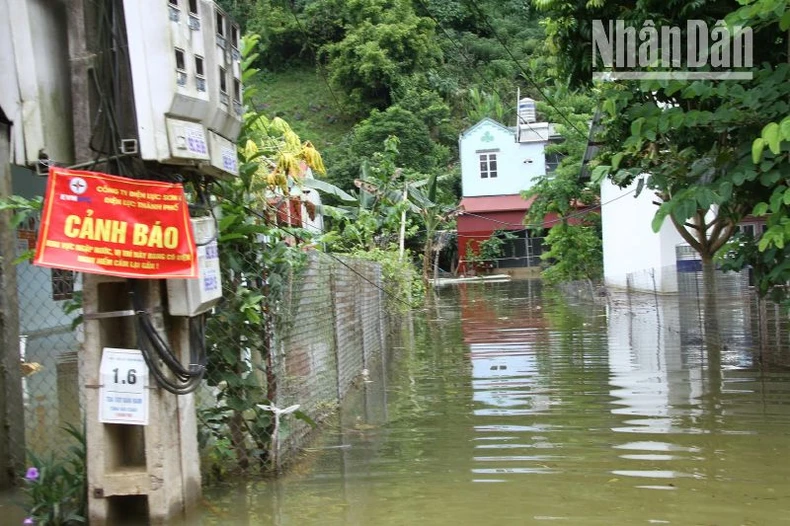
(423,70)
(350,74)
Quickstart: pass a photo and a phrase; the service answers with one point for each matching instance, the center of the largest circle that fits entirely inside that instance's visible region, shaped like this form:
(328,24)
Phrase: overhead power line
(548,100)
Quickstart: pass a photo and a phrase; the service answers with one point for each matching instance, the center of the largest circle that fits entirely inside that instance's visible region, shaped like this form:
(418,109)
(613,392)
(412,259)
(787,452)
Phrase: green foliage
(564,191)
(575,253)
(404,288)
(693,139)
(414,94)
(488,250)
(390,198)
(383,41)
(770,155)
(493,247)
(282,41)
(299,95)
(416,149)
(257,264)
(57,488)
(22,209)
(481,105)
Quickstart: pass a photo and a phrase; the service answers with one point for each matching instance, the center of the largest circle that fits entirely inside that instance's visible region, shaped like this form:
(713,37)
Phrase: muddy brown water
(508,404)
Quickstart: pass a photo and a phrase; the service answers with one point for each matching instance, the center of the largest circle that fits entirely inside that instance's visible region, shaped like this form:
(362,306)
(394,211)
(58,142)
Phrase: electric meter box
(224,157)
(186,78)
(187,140)
(191,297)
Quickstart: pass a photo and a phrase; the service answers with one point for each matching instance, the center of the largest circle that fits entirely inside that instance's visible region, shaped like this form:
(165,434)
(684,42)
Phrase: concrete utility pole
(140,473)
(12,425)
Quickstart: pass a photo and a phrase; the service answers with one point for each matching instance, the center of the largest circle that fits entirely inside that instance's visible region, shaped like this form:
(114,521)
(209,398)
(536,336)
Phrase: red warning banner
(105,224)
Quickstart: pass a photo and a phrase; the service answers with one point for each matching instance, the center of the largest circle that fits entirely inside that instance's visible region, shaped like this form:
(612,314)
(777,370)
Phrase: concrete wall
(35,85)
(633,255)
(514,174)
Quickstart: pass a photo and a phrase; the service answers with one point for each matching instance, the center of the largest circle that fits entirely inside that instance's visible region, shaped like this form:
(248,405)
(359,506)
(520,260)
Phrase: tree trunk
(710,301)
(708,275)
(426,258)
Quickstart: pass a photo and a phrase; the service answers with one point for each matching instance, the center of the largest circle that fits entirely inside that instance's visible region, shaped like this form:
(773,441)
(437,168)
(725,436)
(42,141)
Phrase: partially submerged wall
(338,332)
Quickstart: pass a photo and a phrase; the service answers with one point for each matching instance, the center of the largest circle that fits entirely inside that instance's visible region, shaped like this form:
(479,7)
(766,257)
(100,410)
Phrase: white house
(498,163)
(493,162)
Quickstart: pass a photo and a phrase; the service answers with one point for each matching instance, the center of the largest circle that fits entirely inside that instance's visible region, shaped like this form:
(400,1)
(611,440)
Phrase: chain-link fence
(330,327)
(49,341)
(719,311)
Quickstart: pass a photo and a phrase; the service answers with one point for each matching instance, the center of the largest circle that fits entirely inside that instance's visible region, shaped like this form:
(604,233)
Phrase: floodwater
(507,404)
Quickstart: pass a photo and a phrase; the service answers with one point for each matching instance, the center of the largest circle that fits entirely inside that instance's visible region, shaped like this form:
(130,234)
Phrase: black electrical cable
(155,349)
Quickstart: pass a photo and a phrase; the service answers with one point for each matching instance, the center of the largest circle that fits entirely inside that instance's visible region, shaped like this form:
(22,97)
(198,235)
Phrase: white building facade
(634,256)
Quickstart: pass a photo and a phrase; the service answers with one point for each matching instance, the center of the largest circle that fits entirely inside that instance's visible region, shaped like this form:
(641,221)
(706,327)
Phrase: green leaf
(784,22)
(600,173)
(226,221)
(230,237)
(639,186)
(757,149)
(636,127)
(706,197)
(616,158)
(328,188)
(760,209)
(772,137)
(684,209)
(661,214)
(300,415)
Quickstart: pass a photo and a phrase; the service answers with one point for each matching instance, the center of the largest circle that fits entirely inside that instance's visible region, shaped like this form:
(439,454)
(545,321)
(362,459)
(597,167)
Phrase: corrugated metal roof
(495,203)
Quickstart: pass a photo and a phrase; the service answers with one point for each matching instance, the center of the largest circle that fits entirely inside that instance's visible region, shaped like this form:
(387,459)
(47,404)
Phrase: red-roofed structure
(482,216)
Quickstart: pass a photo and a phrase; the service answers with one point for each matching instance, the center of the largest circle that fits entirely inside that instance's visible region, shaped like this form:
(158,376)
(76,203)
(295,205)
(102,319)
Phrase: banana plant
(420,199)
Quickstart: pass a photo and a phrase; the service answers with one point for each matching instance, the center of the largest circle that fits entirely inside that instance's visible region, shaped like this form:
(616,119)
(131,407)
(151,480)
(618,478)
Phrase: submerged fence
(675,299)
(332,325)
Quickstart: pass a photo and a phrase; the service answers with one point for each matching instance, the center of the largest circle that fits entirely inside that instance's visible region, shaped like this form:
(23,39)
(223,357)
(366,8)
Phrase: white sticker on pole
(123,395)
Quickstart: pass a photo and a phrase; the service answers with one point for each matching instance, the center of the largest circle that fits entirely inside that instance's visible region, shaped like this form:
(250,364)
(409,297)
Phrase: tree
(254,276)
(416,149)
(388,43)
(688,141)
(572,251)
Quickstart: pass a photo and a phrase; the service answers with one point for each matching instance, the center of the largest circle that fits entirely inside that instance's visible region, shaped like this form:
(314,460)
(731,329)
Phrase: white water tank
(526,111)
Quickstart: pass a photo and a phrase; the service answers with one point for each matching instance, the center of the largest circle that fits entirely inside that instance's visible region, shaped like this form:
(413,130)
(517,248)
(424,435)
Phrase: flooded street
(507,404)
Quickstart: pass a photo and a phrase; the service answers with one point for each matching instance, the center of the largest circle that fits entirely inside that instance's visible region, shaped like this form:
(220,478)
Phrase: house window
(234,36)
(200,78)
(220,25)
(62,284)
(223,86)
(488,168)
(180,64)
(194,16)
(174,10)
(747,230)
(223,80)
(181,71)
(236,90)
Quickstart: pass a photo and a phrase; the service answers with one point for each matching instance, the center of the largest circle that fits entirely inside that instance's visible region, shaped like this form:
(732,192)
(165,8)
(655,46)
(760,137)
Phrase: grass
(302,98)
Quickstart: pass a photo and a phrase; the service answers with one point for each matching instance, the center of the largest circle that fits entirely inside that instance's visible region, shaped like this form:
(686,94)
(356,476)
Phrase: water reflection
(620,411)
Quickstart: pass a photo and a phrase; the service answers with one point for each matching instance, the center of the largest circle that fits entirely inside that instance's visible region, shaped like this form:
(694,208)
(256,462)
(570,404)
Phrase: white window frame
(484,159)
